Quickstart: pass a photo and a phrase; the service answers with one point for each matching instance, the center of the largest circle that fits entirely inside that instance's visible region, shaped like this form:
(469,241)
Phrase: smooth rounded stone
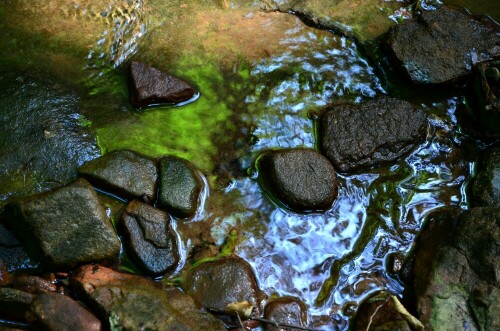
(64,227)
(441,46)
(486,186)
(301,179)
(150,238)
(286,310)
(180,187)
(34,284)
(137,303)
(151,86)
(43,137)
(57,312)
(377,132)
(14,304)
(124,173)
(215,284)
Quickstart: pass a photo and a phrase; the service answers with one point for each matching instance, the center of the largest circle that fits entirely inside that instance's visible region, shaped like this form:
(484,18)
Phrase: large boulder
(486,185)
(286,310)
(376,132)
(150,86)
(150,239)
(441,46)
(180,187)
(136,303)
(124,173)
(301,179)
(64,227)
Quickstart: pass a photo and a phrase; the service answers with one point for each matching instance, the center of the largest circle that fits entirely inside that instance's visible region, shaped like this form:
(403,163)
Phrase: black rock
(301,179)
(441,46)
(376,132)
(150,86)
(124,173)
(486,110)
(286,310)
(13,256)
(14,304)
(486,186)
(180,187)
(64,227)
(150,239)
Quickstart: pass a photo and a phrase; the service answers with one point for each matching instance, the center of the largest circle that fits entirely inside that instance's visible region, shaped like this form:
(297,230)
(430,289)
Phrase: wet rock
(43,138)
(14,304)
(441,46)
(12,253)
(34,284)
(150,238)
(486,186)
(136,303)
(486,112)
(123,172)
(301,179)
(150,86)
(376,132)
(52,311)
(455,280)
(286,310)
(215,284)
(64,227)
(394,263)
(180,187)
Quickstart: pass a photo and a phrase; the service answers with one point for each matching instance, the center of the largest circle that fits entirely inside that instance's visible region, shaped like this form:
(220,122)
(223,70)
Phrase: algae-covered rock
(64,227)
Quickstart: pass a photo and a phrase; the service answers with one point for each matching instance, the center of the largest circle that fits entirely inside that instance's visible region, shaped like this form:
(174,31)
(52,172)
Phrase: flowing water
(263,77)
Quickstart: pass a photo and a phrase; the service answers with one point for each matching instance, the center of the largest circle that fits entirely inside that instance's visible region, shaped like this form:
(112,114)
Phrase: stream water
(263,77)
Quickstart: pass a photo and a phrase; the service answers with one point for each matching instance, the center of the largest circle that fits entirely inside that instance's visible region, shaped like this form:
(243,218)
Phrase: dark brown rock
(124,173)
(57,312)
(377,132)
(149,238)
(34,284)
(150,86)
(301,179)
(14,304)
(287,310)
(441,46)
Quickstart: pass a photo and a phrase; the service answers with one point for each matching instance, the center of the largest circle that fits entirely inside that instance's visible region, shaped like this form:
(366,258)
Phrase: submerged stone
(377,132)
(150,238)
(136,303)
(486,186)
(180,187)
(286,310)
(150,86)
(64,227)
(124,173)
(441,46)
(301,179)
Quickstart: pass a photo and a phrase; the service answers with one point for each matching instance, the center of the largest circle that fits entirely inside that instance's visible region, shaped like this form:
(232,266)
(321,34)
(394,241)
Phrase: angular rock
(150,86)
(286,310)
(64,227)
(377,132)
(14,304)
(180,187)
(150,238)
(441,46)
(124,173)
(52,311)
(301,179)
(215,284)
(136,303)
(34,284)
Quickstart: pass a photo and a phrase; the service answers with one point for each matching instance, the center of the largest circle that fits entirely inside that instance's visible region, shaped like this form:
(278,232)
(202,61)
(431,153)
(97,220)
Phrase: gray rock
(149,238)
(301,179)
(136,303)
(64,227)
(150,86)
(377,132)
(124,173)
(14,304)
(441,46)
(57,312)
(180,187)
(12,253)
(286,310)
(43,138)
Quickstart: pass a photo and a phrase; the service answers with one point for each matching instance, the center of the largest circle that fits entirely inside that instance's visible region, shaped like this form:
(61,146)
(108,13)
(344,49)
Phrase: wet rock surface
(52,311)
(486,112)
(123,172)
(376,132)
(301,179)
(12,253)
(150,238)
(287,310)
(441,46)
(34,284)
(150,86)
(43,139)
(378,313)
(135,303)
(14,304)
(64,227)
(486,186)
(180,187)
